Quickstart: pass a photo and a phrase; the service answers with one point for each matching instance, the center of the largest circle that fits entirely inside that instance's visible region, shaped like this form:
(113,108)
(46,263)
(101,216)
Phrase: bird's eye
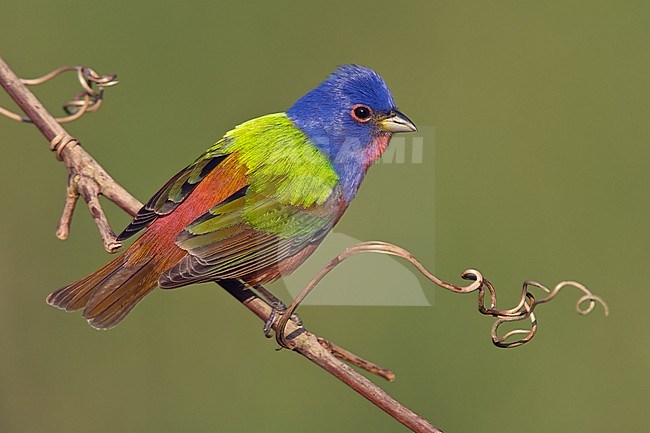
(361,113)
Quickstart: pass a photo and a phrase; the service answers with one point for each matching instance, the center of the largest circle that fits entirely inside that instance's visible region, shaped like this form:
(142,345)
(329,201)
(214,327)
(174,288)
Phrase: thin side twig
(356,360)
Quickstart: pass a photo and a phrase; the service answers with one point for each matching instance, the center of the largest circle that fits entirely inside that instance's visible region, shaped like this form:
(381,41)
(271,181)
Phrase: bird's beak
(397,122)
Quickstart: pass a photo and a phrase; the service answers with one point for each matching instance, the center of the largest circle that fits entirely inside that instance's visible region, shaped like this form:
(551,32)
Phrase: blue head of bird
(350,117)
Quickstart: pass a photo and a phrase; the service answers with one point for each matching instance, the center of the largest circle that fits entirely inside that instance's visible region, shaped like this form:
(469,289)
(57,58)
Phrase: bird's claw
(279,308)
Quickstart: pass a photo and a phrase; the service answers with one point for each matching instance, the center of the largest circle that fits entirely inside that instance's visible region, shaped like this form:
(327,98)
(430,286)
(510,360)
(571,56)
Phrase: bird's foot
(279,309)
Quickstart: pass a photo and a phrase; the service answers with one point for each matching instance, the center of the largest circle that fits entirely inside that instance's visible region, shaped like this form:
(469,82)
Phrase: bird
(255,205)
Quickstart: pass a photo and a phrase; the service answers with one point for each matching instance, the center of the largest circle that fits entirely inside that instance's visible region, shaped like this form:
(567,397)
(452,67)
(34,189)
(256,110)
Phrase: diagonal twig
(84,102)
(522,311)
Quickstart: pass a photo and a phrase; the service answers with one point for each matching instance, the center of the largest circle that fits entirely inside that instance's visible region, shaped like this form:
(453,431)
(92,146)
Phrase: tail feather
(113,315)
(74,296)
(109,294)
(111,302)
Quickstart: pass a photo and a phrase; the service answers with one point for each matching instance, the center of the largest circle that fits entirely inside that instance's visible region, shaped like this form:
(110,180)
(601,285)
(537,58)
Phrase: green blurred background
(538,169)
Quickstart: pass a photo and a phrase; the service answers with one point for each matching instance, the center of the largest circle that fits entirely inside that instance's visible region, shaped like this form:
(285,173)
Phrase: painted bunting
(255,205)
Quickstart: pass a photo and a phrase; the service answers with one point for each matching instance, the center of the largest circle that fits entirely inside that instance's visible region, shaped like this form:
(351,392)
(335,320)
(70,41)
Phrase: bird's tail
(108,294)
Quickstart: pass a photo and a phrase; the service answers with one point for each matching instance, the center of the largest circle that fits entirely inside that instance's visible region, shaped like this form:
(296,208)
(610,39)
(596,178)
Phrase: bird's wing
(246,235)
(175,190)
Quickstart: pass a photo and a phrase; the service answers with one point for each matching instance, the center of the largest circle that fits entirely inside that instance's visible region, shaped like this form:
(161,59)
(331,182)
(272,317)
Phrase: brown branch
(88,179)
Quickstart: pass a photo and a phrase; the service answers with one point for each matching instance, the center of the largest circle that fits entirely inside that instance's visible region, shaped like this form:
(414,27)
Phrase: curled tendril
(524,310)
(86,101)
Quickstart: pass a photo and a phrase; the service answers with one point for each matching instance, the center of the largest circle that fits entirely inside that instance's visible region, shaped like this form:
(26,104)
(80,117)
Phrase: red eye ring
(361,113)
